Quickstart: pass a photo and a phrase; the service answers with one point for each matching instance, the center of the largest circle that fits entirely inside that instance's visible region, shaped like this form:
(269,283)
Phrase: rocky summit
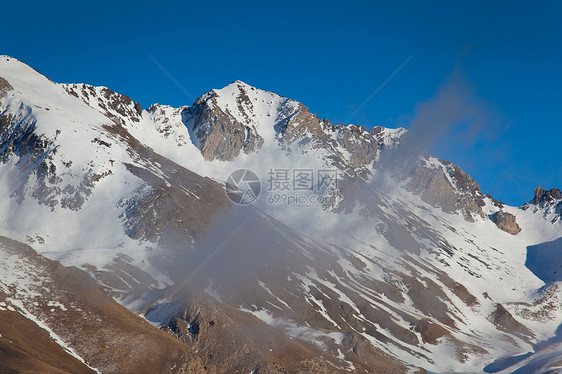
(245,234)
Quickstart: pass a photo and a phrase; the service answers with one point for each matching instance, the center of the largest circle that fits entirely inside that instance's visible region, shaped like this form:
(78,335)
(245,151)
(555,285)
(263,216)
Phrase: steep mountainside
(358,254)
(57,319)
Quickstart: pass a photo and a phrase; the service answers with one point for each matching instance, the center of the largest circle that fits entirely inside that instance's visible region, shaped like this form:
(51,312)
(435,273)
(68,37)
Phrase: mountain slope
(58,318)
(401,262)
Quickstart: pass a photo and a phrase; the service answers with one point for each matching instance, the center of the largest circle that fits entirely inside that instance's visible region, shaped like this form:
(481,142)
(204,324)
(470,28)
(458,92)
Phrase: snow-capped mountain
(399,264)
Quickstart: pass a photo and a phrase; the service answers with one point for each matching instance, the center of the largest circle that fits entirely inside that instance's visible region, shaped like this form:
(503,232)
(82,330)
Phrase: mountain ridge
(407,263)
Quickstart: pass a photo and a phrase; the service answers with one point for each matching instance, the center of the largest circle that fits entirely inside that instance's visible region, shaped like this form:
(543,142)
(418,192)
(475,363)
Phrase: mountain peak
(240,83)
(19,73)
(238,89)
(238,117)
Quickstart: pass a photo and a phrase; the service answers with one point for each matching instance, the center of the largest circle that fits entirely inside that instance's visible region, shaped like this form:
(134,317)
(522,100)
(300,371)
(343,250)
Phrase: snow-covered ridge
(58,160)
(227,124)
(404,265)
(256,116)
(113,105)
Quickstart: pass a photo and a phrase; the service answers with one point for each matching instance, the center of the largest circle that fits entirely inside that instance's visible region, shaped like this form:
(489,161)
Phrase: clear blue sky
(331,56)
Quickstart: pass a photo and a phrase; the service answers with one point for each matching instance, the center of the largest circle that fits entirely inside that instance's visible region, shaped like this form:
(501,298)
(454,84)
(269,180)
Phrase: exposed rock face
(447,187)
(218,133)
(238,119)
(505,321)
(430,331)
(352,148)
(550,202)
(360,145)
(506,222)
(5,86)
(176,201)
(543,197)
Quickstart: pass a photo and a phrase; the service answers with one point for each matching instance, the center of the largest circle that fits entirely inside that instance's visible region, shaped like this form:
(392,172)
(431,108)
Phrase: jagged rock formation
(115,106)
(218,133)
(542,197)
(550,202)
(5,86)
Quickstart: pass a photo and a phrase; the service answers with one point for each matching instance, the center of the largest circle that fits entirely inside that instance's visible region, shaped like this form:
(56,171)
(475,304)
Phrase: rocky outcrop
(5,86)
(176,202)
(543,197)
(549,201)
(216,132)
(445,185)
(506,322)
(223,124)
(430,331)
(506,222)
(359,144)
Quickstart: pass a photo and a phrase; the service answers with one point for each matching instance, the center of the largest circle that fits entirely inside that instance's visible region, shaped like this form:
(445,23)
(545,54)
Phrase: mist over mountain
(243,233)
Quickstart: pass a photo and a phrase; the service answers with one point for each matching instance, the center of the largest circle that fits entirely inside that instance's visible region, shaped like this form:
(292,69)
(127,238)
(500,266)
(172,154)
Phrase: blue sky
(331,56)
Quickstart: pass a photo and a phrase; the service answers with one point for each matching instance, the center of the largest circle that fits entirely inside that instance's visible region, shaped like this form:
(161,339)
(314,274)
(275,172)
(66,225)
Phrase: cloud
(455,116)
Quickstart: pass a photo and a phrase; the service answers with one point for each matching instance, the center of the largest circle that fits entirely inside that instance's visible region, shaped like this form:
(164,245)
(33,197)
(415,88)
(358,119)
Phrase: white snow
(484,260)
